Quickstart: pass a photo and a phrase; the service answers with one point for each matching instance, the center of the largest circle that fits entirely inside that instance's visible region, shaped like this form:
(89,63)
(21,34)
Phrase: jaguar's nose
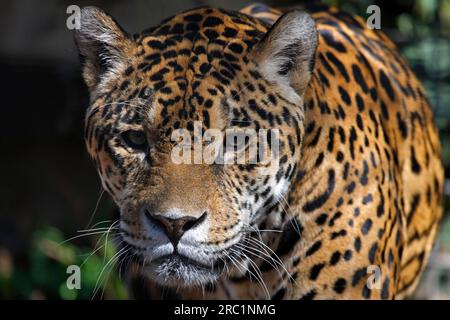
(175,227)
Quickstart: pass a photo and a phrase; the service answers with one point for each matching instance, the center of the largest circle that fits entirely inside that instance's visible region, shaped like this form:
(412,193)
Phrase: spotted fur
(359,181)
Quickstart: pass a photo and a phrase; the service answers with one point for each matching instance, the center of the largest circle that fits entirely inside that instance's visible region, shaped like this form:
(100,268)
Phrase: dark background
(49,188)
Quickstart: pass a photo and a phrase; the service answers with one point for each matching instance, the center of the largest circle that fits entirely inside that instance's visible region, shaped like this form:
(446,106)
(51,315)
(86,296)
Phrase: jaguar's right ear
(102,44)
(286,54)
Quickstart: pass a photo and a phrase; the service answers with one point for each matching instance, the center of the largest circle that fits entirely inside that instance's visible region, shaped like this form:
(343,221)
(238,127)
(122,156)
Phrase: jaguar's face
(186,218)
(193,136)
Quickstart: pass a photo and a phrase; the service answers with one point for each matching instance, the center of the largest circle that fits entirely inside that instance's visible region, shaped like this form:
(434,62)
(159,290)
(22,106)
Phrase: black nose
(175,228)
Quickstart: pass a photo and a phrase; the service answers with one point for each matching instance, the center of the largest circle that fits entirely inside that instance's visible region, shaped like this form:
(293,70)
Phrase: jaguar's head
(167,107)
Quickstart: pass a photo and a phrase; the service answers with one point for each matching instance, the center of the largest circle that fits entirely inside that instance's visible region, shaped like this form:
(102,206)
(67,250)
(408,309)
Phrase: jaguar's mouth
(180,260)
(176,270)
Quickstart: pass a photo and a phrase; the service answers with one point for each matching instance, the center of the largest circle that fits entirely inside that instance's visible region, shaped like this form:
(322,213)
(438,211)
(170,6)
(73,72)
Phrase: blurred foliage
(46,276)
(444,240)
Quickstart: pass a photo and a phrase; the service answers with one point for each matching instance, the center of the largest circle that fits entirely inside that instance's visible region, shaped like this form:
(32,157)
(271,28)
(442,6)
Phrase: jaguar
(350,211)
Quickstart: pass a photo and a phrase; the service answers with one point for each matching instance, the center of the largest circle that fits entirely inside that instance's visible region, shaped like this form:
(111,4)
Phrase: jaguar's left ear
(285,55)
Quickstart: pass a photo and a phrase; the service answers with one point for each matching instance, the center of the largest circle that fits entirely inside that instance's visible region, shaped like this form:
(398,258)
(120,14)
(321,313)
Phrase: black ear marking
(286,53)
(102,45)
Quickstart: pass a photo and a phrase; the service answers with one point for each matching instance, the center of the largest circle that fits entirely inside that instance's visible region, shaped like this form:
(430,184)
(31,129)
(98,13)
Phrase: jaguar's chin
(175,270)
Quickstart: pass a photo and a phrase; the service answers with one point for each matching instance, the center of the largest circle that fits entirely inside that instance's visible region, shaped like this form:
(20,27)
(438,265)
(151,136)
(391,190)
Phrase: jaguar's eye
(135,139)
